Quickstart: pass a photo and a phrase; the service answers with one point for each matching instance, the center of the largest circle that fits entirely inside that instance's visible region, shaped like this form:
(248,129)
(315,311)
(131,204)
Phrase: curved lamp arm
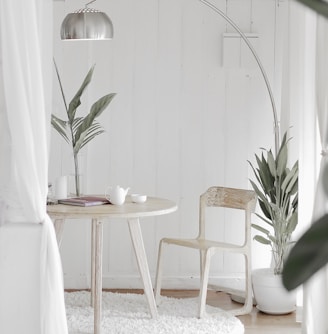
(250,46)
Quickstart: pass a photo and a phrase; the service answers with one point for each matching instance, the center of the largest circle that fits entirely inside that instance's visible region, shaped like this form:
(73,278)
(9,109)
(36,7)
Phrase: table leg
(139,249)
(59,229)
(93,260)
(96,295)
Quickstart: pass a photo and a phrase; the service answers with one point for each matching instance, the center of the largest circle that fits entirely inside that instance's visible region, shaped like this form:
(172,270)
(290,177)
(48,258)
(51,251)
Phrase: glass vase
(77,176)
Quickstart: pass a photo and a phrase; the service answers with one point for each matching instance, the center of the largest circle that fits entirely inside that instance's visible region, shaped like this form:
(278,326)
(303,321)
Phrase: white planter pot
(270,294)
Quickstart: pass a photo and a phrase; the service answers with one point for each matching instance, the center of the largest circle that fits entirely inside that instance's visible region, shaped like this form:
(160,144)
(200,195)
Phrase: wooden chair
(226,198)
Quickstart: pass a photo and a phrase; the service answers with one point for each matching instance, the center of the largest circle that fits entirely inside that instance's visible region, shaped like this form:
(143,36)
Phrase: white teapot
(116,195)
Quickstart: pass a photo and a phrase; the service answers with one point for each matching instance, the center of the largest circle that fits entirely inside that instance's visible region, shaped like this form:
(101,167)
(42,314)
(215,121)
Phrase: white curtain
(316,290)
(31,283)
(298,112)
(308,107)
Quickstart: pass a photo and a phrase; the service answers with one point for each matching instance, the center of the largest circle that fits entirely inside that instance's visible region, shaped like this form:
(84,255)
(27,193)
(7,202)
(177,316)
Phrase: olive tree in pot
(277,191)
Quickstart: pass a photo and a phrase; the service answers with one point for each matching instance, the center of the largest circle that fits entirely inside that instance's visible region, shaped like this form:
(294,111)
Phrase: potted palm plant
(78,131)
(277,191)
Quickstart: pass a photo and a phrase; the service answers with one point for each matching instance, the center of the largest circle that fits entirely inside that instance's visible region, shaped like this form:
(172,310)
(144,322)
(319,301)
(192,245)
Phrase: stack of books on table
(84,201)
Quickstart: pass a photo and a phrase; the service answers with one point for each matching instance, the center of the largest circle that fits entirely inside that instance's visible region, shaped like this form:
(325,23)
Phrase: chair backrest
(227,198)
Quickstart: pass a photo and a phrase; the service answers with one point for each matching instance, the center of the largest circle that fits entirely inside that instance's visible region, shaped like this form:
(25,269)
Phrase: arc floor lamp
(259,63)
(92,24)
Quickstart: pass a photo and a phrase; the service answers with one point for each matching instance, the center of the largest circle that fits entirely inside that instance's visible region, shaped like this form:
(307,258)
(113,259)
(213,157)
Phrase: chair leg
(159,269)
(201,261)
(249,292)
(204,274)
(248,304)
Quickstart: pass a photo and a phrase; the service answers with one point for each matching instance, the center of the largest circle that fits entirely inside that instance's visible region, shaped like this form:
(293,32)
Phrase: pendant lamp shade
(87,24)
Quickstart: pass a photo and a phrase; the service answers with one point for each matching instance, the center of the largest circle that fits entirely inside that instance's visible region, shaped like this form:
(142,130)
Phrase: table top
(154,206)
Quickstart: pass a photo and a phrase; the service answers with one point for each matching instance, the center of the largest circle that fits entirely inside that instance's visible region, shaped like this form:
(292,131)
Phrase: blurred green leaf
(309,254)
(319,6)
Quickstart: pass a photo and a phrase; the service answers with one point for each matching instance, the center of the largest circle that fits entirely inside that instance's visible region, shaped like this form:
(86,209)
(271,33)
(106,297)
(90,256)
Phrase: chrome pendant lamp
(87,24)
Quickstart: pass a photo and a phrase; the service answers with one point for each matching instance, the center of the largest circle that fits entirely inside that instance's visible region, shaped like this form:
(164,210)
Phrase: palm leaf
(269,222)
(96,110)
(255,172)
(272,239)
(292,184)
(76,101)
(61,86)
(267,178)
(292,223)
(60,126)
(271,163)
(262,240)
(265,207)
(78,144)
(281,160)
(258,192)
(261,229)
(283,144)
(288,180)
(89,138)
(99,106)
(295,202)
(294,190)
(94,130)
(76,123)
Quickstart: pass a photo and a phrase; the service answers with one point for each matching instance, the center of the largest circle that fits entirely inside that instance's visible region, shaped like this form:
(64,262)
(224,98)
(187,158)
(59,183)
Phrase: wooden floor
(255,323)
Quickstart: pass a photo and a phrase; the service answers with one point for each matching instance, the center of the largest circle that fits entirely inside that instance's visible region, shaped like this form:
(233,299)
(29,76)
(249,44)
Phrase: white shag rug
(129,314)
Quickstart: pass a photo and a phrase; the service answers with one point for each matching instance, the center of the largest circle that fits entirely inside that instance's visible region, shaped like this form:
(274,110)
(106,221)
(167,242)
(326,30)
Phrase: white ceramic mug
(61,187)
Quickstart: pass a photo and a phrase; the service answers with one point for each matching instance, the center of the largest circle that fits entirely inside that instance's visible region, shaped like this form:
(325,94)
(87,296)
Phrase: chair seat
(204,244)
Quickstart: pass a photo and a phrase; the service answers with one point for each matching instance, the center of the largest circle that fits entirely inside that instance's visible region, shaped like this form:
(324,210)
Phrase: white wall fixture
(236,53)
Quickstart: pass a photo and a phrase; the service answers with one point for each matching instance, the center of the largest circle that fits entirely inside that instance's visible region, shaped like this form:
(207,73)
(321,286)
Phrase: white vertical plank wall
(181,121)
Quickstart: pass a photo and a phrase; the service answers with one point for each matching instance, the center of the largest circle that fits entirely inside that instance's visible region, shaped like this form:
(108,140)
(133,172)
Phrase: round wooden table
(132,212)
